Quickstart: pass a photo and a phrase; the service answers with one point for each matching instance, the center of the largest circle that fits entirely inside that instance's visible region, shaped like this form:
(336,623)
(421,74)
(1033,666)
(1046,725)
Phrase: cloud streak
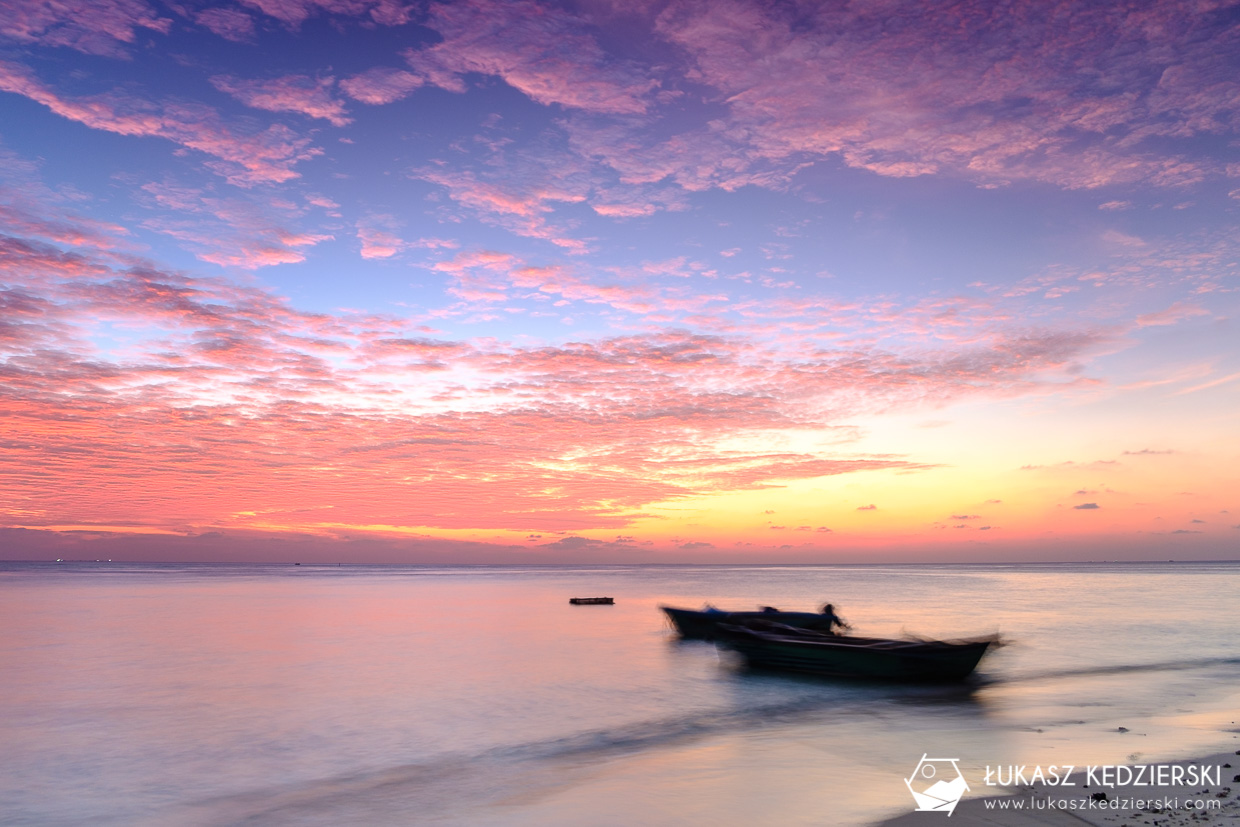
(544,267)
(380,85)
(997,94)
(294,13)
(544,52)
(228,407)
(293,93)
(244,159)
(229,24)
(96,27)
(230,232)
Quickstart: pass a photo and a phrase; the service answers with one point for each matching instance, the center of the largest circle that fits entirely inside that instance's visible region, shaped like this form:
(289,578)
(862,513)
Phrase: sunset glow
(504,280)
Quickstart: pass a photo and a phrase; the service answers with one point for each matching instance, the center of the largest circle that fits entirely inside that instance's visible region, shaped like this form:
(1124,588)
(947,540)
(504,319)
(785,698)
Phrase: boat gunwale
(858,643)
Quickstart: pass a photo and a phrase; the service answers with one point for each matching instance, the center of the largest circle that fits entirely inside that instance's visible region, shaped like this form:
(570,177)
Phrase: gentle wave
(1113,669)
(440,784)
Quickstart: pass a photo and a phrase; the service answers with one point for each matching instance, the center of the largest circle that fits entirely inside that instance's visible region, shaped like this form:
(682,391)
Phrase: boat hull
(865,658)
(697,625)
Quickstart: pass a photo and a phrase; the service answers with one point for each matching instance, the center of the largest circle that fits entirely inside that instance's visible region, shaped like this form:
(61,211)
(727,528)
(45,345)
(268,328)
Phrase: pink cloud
(244,159)
(378,244)
(518,201)
(235,378)
(499,277)
(434,244)
(635,201)
(964,90)
(624,210)
(252,255)
(694,161)
(28,262)
(380,85)
(230,232)
(378,236)
(545,52)
(1197,265)
(1174,314)
(322,201)
(22,316)
(119,373)
(296,12)
(292,93)
(229,24)
(502,198)
(944,91)
(57,226)
(258,247)
(30,209)
(97,27)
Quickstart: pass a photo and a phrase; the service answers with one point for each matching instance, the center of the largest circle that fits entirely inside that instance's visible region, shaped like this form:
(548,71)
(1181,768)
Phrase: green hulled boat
(776,646)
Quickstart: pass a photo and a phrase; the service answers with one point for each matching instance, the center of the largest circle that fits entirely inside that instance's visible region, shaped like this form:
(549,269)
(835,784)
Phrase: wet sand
(1075,806)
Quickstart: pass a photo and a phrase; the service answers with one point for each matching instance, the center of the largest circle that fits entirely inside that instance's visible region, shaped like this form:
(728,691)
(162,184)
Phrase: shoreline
(1159,805)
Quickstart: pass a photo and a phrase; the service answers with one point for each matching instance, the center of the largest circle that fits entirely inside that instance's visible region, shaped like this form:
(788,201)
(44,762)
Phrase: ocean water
(282,695)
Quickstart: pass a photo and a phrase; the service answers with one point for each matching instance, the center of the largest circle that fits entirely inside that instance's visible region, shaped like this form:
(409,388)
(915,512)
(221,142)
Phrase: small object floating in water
(592,601)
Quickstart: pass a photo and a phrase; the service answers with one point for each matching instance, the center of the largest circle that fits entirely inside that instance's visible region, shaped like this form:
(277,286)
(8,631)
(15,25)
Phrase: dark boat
(777,646)
(592,601)
(704,625)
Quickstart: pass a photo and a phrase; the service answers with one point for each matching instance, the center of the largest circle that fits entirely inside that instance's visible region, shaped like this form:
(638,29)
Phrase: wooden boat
(592,601)
(704,625)
(777,646)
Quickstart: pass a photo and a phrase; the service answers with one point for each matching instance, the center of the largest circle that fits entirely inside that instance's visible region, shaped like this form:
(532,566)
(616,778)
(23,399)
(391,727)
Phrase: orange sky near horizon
(486,281)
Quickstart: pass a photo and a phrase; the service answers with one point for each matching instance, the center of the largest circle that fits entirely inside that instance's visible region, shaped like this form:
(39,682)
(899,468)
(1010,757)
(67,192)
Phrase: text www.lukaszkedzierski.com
(1146,804)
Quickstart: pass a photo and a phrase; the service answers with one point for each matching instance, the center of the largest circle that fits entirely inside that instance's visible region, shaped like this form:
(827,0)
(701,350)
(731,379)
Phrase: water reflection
(480,696)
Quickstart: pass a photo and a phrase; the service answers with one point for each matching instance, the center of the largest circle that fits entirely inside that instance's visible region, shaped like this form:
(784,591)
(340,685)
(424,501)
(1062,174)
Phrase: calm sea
(281,695)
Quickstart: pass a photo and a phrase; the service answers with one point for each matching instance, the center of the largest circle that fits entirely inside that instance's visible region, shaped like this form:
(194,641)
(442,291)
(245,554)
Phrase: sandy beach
(1158,805)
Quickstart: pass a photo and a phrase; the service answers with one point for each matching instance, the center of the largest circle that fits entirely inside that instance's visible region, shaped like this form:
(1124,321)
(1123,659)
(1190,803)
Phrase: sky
(652,281)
